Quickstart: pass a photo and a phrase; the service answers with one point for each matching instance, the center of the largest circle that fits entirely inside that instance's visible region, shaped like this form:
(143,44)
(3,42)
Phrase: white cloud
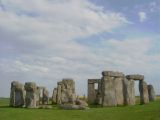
(142,16)
(38,39)
(38,43)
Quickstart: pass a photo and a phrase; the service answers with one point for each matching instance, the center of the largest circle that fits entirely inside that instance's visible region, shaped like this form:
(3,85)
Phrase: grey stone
(45,98)
(118,84)
(17,94)
(99,93)
(72,107)
(32,95)
(143,88)
(151,92)
(135,77)
(129,92)
(109,97)
(91,91)
(82,103)
(59,91)
(68,91)
(54,95)
(112,74)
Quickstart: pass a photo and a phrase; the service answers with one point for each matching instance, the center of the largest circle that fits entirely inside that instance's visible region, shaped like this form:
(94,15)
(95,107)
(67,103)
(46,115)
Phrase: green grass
(149,111)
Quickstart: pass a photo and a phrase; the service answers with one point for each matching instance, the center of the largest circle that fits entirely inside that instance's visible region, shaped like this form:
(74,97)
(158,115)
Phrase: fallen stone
(72,107)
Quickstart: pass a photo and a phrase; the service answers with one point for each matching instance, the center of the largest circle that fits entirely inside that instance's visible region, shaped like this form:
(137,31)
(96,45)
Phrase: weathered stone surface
(135,77)
(38,96)
(45,98)
(59,91)
(31,95)
(118,84)
(92,81)
(17,94)
(91,91)
(109,97)
(72,107)
(82,103)
(129,92)
(112,74)
(45,107)
(151,92)
(68,91)
(30,86)
(143,88)
(54,95)
(99,93)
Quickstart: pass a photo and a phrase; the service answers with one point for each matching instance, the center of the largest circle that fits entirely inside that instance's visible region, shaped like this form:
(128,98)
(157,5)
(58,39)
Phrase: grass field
(149,111)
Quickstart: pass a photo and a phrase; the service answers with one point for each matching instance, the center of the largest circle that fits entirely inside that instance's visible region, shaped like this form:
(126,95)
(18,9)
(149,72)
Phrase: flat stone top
(93,80)
(150,87)
(16,85)
(135,77)
(55,89)
(30,86)
(112,74)
(67,79)
(40,87)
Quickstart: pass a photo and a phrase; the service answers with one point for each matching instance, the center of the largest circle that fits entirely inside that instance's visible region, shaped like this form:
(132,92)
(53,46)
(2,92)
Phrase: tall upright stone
(109,97)
(38,92)
(99,93)
(68,91)
(31,95)
(151,92)
(59,92)
(45,97)
(143,88)
(54,95)
(118,83)
(92,93)
(129,91)
(112,88)
(17,94)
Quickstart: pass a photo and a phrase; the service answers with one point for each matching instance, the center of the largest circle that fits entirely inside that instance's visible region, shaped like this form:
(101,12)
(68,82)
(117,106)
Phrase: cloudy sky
(47,40)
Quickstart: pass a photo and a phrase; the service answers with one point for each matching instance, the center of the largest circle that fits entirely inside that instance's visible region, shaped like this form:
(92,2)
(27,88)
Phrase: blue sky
(47,40)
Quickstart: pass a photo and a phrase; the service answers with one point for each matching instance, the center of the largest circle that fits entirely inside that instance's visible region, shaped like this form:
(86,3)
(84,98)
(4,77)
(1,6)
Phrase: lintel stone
(135,77)
(112,74)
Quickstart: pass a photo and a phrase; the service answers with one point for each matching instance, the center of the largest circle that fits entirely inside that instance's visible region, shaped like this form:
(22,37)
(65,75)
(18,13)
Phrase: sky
(44,41)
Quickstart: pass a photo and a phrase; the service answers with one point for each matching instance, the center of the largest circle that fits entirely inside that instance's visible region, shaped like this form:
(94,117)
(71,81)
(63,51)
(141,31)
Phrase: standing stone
(17,94)
(68,91)
(31,95)
(109,98)
(45,98)
(54,96)
(91,92)
(59,92)
(129,92)
(143,88)
(38,91)
(118,83)
(151,92)
(99,93)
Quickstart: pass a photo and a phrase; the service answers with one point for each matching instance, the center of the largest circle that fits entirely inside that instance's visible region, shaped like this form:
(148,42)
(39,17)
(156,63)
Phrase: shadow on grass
(5,106)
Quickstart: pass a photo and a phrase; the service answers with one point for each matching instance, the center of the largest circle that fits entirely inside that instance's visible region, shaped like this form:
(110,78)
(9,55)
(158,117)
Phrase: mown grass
(149,111)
